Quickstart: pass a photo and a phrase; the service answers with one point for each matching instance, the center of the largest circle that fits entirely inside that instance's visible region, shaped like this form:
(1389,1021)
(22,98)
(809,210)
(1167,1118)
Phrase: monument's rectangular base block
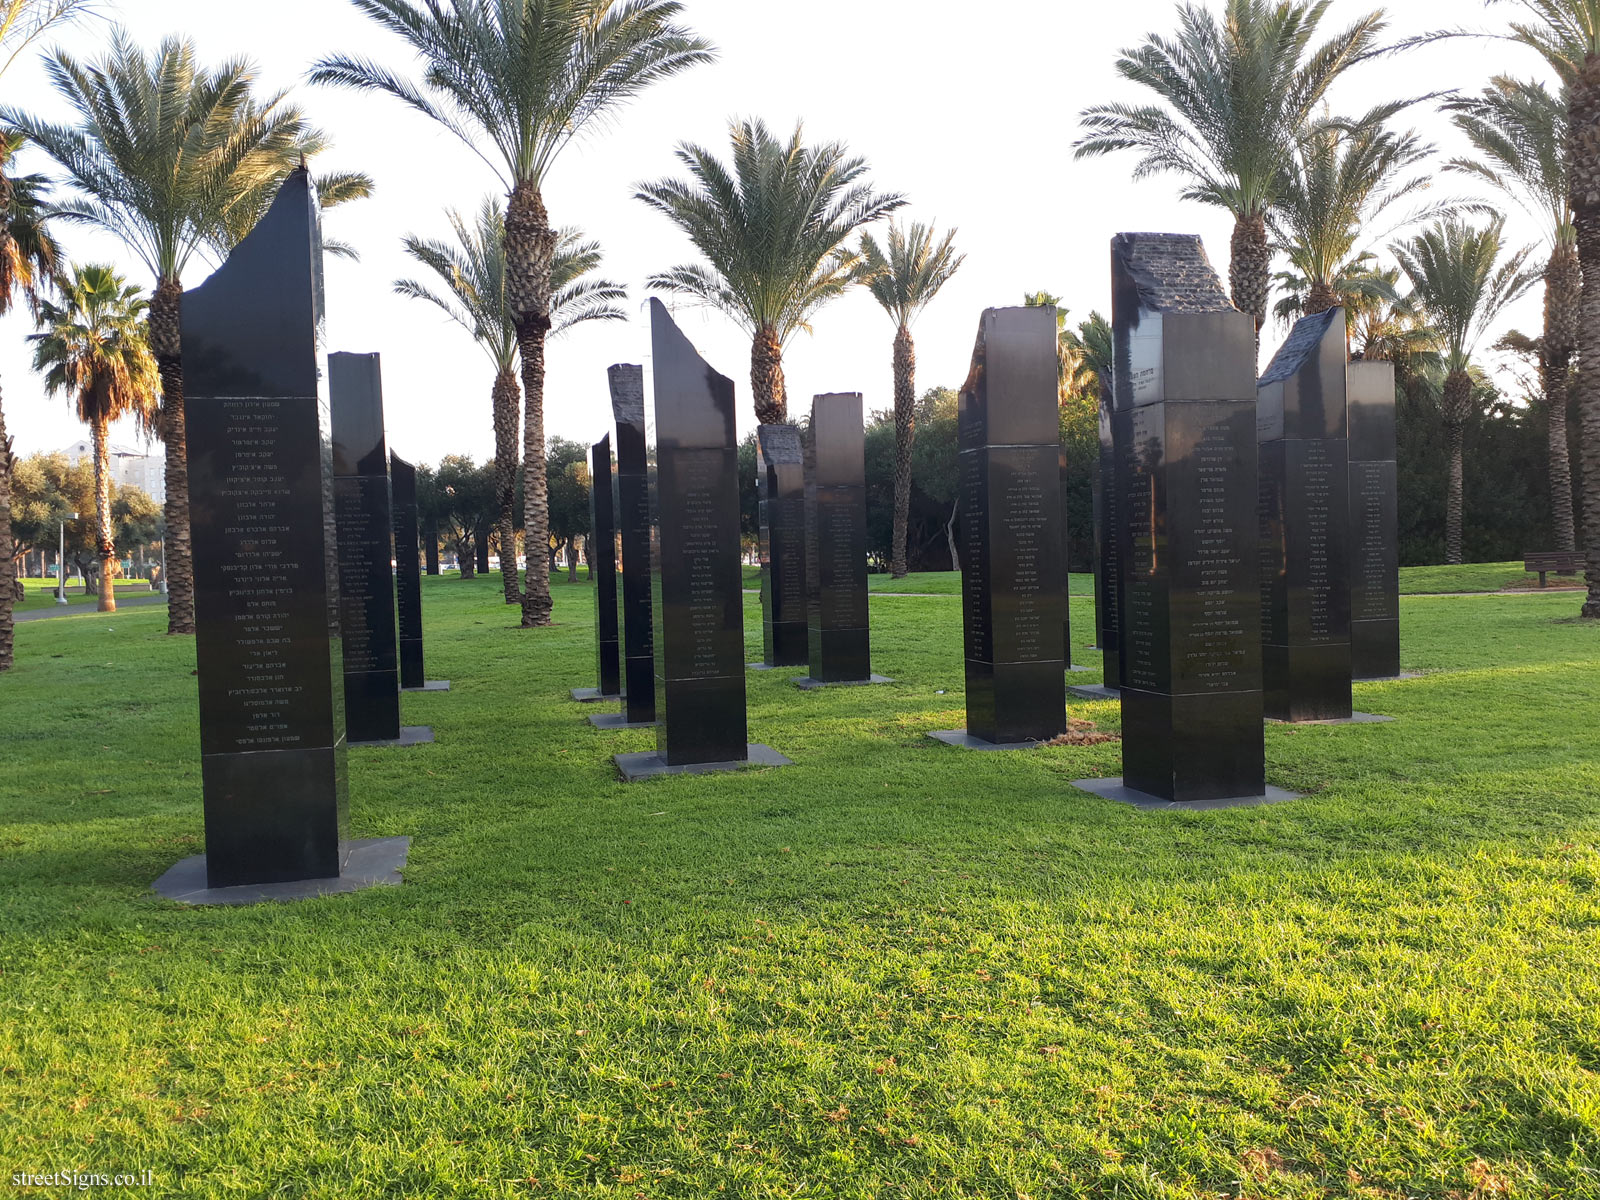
(432,685)
(1115,789)
(618,720)
(372,862)
(1017,701)
(1094,691)
(713,728)
(838,655)
(410,735)
(787,644)
(807,684)
(1306,683)
(648,763)
(371,706)
(274,816)
(964,740)
(1375,649)
(1196,747)
(411,676)
(594,696)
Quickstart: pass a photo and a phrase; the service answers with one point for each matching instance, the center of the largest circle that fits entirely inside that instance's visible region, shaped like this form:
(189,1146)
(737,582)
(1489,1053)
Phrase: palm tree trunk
(104,545)
(1457,401)
(1563,293)
(507,395)
(905,432)
(166,344)
(766,377)
(1583,163)
(8,565)
(1249,269)
(1320,299)
(530,248)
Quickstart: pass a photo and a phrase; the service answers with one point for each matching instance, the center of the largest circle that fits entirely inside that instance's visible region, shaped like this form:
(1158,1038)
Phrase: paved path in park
(88,610)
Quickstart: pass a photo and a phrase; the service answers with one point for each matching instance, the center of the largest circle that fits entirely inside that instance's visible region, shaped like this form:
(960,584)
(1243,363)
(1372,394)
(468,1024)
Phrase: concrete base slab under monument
(433,685)
(594,695)
(1355,718)
(1113,789)
(806,684)
(1094,691)
(1072,667)
(372,862)
(649,763)
(618,720)
(410,735)
(961,739)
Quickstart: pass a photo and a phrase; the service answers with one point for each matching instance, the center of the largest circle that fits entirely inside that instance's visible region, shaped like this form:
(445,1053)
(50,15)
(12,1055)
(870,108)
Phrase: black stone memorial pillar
(603,570)
(1374,524)
(836,542)
(1066,573)
(780,501)
(1185,497)
(1012,541)
(366,535)
(407,576)
(272,728)
(633,517)
(1305,531)
(1108,563)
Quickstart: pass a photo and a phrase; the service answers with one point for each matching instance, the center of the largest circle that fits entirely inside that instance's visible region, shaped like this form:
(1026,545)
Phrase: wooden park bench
(1562,562)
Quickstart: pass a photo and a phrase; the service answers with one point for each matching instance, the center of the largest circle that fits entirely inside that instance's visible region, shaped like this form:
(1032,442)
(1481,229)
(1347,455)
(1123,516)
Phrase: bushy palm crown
(1461,283)
(28,251)
(23,22)
(473,270)
(163,147)
(1235,92)
(1563,31)
(1519,130)
(1391,330)
(92,346)
(910,274)
(527,75)
(772,230)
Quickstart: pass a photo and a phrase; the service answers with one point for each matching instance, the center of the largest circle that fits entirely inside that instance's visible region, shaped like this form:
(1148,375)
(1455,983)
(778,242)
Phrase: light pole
(61,562)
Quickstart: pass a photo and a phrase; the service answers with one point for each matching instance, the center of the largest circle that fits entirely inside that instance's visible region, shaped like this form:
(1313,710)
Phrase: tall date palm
(473,271)
(773,232)
(1463,281)
(161,148)
(92,346)
(1234,94)
(1518,130)
(904,280)
(527,77)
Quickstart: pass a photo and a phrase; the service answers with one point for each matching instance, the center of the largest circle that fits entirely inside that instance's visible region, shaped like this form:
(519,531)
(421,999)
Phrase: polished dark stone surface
(649,763)
(839,641)
(1115,789)
(633,523)
(698,600)
(1012,541)
(365,524)
(1374,524)
(1107,563)
(407,575)
(603,568)
(409,735)
(1066,574)
(372,862)
(260,449)
(780,501)
(1185,487)
(1303,509)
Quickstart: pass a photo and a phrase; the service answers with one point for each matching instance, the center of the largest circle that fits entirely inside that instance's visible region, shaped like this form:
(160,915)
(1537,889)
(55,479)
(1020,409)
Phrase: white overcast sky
(970,111)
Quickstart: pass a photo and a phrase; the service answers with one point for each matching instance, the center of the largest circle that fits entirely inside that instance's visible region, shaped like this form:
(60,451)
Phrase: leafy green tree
(526,77)
(92,347)
(904,280)
(1234,95)
(772,231)
(169,157)
(1463,280)
(568,470)
(465,499)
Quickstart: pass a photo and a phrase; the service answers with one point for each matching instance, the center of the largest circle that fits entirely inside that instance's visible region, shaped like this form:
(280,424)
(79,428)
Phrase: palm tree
(1392,330)
(1519,130)
(473,269)
(1566,33)
(93,347)
(903,281)
(527,76)
(1462,283)
(1090,349)
(164,155)
(1235,96)
(773,233)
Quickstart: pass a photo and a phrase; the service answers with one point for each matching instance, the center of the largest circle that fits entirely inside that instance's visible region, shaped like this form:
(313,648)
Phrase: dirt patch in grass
(1083,733)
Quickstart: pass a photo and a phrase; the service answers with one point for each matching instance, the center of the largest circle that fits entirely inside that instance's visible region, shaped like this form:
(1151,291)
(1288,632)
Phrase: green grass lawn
(895,969)
(41,593)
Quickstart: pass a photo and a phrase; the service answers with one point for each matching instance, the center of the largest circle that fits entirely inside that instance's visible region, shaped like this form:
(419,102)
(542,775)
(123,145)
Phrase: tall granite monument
(1305,530)
(633,522)
(780,503)
(603,575)
(365,527)
(1012,540)
(699,602)
(408,578)
(1184,490)
(839,640)
(260,442)
(1108,563)
(1374,524)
